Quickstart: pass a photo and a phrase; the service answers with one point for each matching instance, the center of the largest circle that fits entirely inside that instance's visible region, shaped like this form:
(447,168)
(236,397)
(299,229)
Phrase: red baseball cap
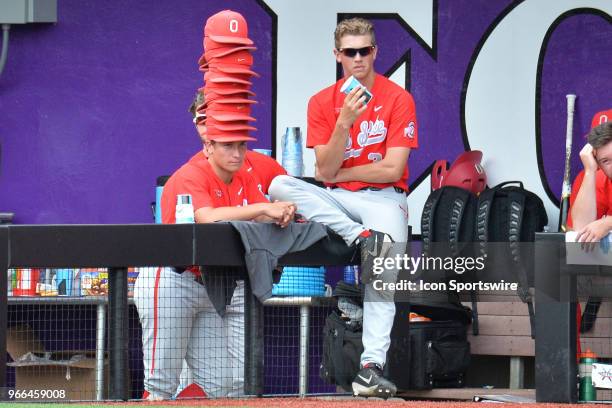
(224,116)
(233,69)
(242,108)
(211,45)
(221,77)
(219,127)
(218,98)
(216,86)
(234,92)
(228,27)
(229,136)
(222,52)
(241,57)
(601,117)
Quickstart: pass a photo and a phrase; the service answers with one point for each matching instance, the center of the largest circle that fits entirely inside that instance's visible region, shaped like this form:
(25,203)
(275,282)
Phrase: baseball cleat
(377,245)
(370,382)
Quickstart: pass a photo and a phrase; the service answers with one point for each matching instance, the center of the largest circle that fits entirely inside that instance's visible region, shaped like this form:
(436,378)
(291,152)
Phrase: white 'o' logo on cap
(233,26)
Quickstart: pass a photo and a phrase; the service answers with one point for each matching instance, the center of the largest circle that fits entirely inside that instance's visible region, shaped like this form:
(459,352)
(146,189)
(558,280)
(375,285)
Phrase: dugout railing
(116,247)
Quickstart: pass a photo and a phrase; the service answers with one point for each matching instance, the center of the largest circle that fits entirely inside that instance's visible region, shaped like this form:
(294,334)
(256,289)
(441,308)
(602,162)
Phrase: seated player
(591,200)
(179,321)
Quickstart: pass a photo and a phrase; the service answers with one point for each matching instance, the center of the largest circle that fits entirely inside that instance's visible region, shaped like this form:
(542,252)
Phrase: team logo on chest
(370,133)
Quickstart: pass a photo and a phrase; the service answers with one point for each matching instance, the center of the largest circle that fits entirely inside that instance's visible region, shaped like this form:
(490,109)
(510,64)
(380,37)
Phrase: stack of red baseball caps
(226,64)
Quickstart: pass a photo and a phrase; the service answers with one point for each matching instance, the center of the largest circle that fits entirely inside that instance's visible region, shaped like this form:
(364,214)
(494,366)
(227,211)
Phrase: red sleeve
(199,190)
(603,194)
(183,181)
(319,128)
(265,169)
(253,194)
(402,130)
(272,169)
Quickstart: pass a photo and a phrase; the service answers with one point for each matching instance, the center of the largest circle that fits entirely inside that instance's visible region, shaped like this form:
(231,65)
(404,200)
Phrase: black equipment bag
(342,348)
(421,355)
(342,345)
(425,355)
(511,214)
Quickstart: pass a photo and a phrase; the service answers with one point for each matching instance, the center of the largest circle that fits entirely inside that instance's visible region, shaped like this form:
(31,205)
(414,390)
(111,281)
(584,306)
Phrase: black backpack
(509,213)
(449,215)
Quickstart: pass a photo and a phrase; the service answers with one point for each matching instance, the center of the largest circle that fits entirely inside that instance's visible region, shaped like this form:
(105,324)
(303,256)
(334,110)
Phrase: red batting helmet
(466,172)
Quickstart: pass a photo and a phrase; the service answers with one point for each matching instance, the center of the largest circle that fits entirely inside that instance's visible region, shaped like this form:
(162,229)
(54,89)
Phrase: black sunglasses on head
(351,52)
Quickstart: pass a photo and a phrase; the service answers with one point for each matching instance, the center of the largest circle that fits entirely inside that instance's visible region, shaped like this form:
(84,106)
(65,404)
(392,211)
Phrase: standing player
(261,167)
(177,317)
(361,154)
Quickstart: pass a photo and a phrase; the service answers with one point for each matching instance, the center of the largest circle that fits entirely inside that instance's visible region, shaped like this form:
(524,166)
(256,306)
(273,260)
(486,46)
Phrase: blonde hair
(354,26)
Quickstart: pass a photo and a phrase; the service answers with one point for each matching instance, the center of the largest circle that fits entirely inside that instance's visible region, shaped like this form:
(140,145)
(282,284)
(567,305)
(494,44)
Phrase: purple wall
(578,60)
(94,108)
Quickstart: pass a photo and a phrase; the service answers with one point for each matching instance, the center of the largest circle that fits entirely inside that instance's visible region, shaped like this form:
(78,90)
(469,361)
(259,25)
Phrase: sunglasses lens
(365,51)
(351,52)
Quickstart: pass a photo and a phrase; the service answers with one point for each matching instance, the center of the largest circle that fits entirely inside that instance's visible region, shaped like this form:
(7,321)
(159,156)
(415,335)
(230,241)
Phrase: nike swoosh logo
(367,380)
(241,59)
(373,251)
(376,109)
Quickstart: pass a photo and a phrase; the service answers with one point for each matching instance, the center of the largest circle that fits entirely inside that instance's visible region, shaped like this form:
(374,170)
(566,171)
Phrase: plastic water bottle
(351,274)
(184,209)
(587,392)
(292,159)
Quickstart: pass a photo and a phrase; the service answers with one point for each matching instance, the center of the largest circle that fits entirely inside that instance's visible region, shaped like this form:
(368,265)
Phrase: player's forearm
(584,209)
(331,156)
(379,172)
(246,213)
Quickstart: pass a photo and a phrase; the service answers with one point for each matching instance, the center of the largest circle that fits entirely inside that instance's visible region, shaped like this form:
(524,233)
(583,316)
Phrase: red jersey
(388,121)
(601,117)
(603,193)
(197,177)
(262,168)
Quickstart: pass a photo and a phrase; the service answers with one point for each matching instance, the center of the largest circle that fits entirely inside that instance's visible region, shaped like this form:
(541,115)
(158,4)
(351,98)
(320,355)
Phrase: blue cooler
(301,281)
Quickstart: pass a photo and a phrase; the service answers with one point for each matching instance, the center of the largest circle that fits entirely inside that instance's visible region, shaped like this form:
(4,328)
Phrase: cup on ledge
(267,152)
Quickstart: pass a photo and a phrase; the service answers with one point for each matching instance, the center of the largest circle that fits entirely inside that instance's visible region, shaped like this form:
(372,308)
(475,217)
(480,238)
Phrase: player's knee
(279,187)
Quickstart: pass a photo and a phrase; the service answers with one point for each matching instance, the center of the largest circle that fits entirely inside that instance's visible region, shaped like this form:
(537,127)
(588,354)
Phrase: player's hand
(592,233)
(288,216)
(587,156)
(354,105)
(281,212)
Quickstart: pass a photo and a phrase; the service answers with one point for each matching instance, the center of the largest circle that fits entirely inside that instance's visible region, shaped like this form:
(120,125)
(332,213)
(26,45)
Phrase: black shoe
(377,245)
(370,382)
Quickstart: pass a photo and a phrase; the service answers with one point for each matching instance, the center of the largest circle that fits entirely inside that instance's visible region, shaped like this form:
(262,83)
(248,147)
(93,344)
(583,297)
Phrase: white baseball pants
(180,323)
(349,213)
